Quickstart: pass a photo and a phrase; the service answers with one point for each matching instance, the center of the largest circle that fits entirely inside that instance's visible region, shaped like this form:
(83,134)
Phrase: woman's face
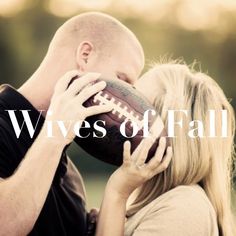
(147,85)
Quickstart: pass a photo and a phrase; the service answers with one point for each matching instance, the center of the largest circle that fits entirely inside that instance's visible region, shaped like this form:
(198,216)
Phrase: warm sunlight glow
(11,7)
(190,14)
(67,8)
(198,15)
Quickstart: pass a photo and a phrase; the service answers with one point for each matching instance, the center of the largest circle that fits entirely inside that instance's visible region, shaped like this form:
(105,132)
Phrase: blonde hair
(206,161)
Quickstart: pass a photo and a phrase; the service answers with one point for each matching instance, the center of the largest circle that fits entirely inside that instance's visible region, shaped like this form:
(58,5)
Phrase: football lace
(103,99)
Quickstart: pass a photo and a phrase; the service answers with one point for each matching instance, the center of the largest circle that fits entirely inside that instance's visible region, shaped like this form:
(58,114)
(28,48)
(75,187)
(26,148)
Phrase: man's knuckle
(82,95)
(62,99)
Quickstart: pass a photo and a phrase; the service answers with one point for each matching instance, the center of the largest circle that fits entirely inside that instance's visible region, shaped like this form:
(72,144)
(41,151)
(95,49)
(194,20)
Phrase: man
(41,192)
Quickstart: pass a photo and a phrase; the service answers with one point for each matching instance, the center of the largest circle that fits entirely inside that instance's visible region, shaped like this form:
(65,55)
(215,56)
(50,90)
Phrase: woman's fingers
(80,83)
(159,163)
(126,152)
(159,152)
(144,147)
(143,152)
(158,168)
(140,147)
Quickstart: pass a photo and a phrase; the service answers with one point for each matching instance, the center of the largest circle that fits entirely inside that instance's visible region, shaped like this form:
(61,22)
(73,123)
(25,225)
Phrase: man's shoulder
(4,126)
(8,158)
(5,129)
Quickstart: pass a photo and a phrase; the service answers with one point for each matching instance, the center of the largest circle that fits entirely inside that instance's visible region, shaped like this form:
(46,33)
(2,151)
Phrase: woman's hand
(67,102)
(134,171)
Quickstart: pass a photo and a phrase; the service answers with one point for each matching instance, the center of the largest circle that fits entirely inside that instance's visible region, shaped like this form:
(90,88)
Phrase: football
(129,106)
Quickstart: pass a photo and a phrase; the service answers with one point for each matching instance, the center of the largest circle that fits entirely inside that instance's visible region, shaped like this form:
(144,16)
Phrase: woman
(190,196)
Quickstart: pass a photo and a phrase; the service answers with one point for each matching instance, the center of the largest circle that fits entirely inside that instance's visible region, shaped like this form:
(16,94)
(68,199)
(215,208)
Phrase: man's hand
(23,194)
(67,103)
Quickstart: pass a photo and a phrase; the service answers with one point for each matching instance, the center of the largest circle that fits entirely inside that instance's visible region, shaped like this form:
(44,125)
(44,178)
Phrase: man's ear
(83,54)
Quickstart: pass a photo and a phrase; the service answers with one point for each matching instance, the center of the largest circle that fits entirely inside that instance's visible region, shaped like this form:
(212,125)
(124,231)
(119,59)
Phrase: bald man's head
(96,41)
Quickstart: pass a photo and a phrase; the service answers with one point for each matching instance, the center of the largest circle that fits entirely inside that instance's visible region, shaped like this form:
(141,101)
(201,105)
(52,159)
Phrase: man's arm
(22,195)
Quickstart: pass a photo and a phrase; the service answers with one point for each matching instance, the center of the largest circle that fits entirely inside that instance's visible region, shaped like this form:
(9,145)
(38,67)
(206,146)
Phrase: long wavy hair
(205,161)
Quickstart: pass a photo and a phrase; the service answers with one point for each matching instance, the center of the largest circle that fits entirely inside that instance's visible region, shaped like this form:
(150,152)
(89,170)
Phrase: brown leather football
(128,104)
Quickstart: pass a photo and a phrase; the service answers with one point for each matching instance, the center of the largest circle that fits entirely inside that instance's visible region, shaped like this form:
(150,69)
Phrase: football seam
(101,98)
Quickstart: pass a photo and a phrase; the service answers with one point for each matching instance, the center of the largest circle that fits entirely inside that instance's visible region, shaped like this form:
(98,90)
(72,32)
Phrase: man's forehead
(132,52)
(137,54)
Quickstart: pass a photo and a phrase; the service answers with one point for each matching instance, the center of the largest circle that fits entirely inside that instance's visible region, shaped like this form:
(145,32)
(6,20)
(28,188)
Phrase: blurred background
(195,30)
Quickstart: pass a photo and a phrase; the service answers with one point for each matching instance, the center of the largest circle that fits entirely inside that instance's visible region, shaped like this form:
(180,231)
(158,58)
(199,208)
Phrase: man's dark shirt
(64,210)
